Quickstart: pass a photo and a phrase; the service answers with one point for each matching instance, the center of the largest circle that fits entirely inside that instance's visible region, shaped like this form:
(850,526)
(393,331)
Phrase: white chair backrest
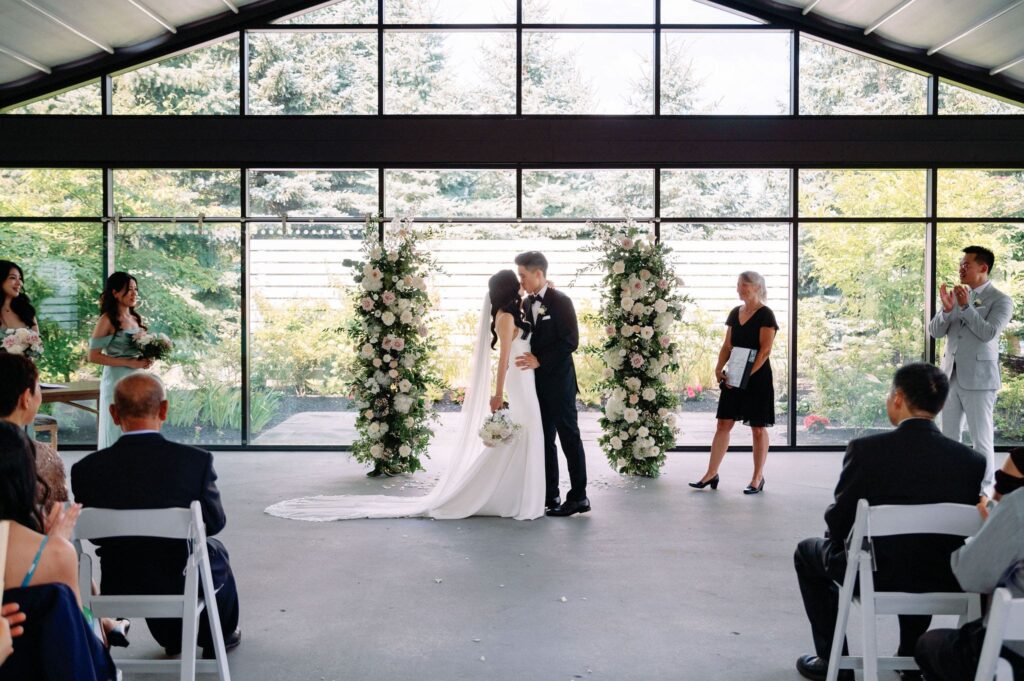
(165,523)
(1005,623)
(961,520)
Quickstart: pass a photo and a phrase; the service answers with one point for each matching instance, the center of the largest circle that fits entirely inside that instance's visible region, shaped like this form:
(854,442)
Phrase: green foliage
(1009,412)
(220,406)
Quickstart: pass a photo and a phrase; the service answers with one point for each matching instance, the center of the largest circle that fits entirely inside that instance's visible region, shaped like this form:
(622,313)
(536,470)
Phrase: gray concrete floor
(659,581)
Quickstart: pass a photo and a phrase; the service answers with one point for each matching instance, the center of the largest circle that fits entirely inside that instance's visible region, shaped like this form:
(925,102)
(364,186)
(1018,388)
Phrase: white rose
(645,274)
(377,362)
(404,385)
(671,420)
(388,318)
(633,383)
(393,373)
(403,403)
(650,394)
(643,432)
(627,330)
(406,317)
(619,267)
(626,303)
(647,332)
(404,451)
(409,361)
(616,443)
(366,351)
(377,451)
(638,309)
(381,378)
(630,415)
(608,372)
(660,306)
(368,413)
(663,412)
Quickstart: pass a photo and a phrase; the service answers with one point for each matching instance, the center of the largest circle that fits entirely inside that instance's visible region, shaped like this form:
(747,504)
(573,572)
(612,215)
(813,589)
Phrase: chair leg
(213,614)
(870,622)
(842,620)
(190,623)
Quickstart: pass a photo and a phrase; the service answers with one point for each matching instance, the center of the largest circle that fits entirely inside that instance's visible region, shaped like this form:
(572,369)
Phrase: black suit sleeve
(209,499)
(567,333)
(849,490)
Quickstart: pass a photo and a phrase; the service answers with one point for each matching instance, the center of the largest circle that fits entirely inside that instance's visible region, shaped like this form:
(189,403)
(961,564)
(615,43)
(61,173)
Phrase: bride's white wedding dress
(506,480)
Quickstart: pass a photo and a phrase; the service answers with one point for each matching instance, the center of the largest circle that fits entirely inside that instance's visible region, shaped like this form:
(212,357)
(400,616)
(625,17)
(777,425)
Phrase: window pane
(1008,276)
(177,193)
(588,12)
(50,192)
(834,81)
(451,193)
(981,193)
(588,73)
(63,266)
(860,298)
(326,193)
(958,100)
(343,12)
(710,258)
(313,73)
(725,73)
(203,81)
(724,193)
(862,193)
(461,72)
(300,300)
(84,100)
(693,12)
(449,12)
(588,193)
(189,288)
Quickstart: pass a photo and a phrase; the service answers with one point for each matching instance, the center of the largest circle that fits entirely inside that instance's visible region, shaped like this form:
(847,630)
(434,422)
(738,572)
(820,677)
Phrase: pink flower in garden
(627,243)
(398,344)
(610,330)
(690,393)
(388,297)
(388,342)
(662,284)
(633,399)
(664,341)
(636,360)
(367,303)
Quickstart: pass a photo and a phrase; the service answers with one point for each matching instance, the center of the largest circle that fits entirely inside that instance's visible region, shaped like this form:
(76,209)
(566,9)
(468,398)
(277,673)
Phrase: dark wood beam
(542,141)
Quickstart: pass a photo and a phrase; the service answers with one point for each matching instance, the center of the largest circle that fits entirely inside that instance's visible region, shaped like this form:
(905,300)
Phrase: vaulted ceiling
(47,45)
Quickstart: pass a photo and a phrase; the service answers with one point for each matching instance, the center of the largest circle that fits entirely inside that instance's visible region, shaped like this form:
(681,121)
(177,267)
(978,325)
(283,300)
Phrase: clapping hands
(60,522)
(958,295)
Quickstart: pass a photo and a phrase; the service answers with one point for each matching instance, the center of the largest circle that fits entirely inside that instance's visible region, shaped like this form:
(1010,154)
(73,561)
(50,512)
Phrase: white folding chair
(1005,623)
(164,523)
(887,521)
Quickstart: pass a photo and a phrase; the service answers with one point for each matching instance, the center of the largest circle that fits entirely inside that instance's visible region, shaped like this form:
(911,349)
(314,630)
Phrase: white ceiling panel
(32,34)
(11,69)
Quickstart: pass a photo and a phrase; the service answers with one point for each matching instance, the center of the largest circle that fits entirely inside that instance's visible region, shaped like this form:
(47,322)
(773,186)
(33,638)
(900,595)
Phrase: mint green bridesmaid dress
(118,345)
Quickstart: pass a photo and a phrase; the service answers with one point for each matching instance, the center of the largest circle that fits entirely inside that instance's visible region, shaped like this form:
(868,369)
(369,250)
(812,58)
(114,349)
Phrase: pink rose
(664,341)
(610,330)
(388,297)
(387,343)
(627,243)
(367,303)
(636,360)
(690,393)
(633,399)
(662,284)
(399,344)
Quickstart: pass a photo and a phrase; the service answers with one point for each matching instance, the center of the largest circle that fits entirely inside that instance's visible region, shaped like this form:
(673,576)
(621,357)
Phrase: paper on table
(737,370)
(51,386)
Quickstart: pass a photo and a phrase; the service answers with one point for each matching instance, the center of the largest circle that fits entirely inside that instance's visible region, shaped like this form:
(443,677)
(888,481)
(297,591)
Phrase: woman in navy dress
(750,325)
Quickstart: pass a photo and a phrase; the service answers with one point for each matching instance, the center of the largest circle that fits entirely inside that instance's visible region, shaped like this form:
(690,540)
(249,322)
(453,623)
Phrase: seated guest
(144,470)
(38,562)
(991,559)
(20,397)
(913,464)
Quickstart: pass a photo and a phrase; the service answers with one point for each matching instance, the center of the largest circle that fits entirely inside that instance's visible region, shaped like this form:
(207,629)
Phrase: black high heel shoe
(755,490)
(713,482)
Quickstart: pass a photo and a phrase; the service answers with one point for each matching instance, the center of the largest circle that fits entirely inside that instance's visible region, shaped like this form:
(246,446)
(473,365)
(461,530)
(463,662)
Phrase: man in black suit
(555,336)
(144,470)
(913,464)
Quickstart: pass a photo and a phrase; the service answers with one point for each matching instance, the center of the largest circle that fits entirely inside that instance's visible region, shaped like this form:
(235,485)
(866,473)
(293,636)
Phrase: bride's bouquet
(498,428)
(23,341)
(152,345)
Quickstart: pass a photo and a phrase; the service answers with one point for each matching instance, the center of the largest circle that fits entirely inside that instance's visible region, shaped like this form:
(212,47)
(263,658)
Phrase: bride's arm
(506,329)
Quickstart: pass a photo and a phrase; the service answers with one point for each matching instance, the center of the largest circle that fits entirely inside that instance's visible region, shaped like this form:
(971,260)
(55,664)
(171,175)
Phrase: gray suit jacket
(972,338)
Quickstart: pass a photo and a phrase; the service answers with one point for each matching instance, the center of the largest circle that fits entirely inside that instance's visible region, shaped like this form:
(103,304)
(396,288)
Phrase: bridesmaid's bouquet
(23,341)
(152,345)
(498,428)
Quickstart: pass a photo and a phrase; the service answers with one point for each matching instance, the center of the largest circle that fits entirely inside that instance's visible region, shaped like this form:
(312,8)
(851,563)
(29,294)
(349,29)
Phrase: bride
(506,480)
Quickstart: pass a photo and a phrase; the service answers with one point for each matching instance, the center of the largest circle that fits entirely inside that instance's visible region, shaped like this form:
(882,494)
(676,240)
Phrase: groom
(555,337)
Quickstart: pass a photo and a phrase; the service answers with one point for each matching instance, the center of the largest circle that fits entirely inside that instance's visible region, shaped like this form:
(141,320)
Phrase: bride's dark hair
(503,288)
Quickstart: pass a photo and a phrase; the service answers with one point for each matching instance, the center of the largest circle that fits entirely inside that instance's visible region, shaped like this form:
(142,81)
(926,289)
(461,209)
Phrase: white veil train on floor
(467,447)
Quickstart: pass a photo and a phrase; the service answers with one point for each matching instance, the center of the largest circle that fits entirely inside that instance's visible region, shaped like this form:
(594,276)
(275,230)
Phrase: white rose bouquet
(153,346)
(498,428)
(23,342)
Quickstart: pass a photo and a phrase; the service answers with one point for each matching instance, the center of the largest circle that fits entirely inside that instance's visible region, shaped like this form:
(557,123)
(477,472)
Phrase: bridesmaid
(16,311)
(111,345)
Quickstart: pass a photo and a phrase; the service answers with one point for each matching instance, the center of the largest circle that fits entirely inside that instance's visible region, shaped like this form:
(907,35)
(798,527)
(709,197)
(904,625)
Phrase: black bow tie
(531,299)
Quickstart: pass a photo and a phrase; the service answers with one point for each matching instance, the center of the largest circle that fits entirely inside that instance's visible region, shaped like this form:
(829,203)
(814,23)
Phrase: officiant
(744,372)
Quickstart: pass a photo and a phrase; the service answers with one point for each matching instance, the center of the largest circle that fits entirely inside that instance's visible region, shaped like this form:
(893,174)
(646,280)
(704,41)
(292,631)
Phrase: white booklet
(51,386)
(737,369)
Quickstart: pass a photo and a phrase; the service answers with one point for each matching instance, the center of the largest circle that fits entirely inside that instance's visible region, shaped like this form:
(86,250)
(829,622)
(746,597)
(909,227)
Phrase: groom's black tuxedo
(556,335)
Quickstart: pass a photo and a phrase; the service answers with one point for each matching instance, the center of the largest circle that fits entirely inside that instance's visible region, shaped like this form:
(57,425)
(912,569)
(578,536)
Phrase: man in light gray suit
(972,317)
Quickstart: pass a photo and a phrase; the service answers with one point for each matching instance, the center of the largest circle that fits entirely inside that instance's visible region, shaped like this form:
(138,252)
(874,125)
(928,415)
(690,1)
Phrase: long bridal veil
(466,448)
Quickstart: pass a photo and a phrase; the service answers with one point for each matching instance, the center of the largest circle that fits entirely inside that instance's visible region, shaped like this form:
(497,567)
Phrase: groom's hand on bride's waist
(527,360)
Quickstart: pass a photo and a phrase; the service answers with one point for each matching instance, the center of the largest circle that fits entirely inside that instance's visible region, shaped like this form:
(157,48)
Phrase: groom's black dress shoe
(816,668)
(552,503)
(570,508)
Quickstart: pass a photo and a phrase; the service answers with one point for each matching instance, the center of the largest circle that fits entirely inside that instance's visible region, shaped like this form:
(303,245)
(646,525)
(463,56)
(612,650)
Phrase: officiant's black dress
(755,404)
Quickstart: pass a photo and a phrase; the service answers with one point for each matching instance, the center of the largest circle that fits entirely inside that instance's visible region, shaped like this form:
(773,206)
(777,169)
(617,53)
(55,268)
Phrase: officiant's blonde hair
(752,277)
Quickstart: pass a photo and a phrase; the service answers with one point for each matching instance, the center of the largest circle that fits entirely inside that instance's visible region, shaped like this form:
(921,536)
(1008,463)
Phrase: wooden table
(74,393)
